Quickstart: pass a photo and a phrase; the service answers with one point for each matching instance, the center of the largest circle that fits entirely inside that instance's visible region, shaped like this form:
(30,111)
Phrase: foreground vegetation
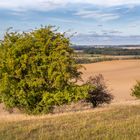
(119,123)
(38,71)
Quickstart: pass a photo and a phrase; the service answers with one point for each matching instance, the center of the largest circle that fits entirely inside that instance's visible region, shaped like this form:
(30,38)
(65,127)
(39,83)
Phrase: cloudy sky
(95,21)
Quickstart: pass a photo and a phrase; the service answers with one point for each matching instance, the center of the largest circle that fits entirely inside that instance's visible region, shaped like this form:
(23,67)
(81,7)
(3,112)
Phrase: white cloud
(113,2)
(18,5)
(51,4)
(98,15)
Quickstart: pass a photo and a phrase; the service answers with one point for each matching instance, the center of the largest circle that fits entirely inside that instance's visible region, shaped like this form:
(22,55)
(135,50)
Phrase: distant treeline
(81,47)
(110,51)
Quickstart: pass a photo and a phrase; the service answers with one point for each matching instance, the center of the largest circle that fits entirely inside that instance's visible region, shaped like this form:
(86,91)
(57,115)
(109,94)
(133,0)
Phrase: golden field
(120,76)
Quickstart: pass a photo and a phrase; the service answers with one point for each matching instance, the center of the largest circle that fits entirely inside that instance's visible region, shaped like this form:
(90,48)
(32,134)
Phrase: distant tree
(136,90)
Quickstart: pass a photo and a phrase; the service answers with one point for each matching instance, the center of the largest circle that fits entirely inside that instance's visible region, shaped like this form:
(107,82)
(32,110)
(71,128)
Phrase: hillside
(114,122)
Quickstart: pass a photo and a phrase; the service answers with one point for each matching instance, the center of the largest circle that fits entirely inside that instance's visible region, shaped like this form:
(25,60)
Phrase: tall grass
(116,123)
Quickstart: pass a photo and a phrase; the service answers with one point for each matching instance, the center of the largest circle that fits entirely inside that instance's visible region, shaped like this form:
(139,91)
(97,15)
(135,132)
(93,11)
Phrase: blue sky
(95,21)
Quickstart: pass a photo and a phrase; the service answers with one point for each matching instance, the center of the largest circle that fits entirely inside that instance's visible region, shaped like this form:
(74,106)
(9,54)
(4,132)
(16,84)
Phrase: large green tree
(38,70)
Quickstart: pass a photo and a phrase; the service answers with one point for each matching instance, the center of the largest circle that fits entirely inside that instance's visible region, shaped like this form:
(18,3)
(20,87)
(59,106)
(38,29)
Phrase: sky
(101,22)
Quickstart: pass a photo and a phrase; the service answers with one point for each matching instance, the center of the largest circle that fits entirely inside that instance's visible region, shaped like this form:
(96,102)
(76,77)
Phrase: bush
(136,90)
(67,96)
(38,71)
(98,93)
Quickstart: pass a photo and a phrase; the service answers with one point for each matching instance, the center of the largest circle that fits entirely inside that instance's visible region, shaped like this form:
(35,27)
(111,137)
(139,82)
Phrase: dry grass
(116,122)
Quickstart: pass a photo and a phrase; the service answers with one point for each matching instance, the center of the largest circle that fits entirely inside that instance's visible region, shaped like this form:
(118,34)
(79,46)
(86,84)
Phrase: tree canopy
(35,67)
(38,71)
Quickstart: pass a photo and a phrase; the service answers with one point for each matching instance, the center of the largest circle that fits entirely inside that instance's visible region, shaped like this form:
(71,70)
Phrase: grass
(115,123)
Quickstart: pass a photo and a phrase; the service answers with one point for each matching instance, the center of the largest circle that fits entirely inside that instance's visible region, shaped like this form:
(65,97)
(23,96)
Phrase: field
(120,120)
(120,76)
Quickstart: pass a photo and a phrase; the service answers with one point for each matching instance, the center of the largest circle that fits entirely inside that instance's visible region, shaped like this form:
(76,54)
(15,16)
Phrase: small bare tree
(100,93)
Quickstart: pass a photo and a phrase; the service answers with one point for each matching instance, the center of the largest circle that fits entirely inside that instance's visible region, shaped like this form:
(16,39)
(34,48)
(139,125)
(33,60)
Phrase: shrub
(73,94)
(136,90)
(98,93)
(38,71)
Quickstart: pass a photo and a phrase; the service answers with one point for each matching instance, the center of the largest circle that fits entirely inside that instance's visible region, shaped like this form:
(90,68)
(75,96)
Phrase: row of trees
(112,51)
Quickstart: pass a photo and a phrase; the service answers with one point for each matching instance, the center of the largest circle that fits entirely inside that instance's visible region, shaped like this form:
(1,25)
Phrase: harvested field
(120,76)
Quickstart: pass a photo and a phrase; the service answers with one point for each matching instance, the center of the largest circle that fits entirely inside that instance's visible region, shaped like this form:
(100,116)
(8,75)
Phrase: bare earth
(120,76)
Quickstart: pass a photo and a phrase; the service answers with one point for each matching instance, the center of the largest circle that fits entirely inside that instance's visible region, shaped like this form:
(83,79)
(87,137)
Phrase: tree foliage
(38,71)
(136,90)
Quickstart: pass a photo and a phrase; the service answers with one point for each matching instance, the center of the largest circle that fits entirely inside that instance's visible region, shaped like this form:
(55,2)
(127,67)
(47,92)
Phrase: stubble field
(120,76)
